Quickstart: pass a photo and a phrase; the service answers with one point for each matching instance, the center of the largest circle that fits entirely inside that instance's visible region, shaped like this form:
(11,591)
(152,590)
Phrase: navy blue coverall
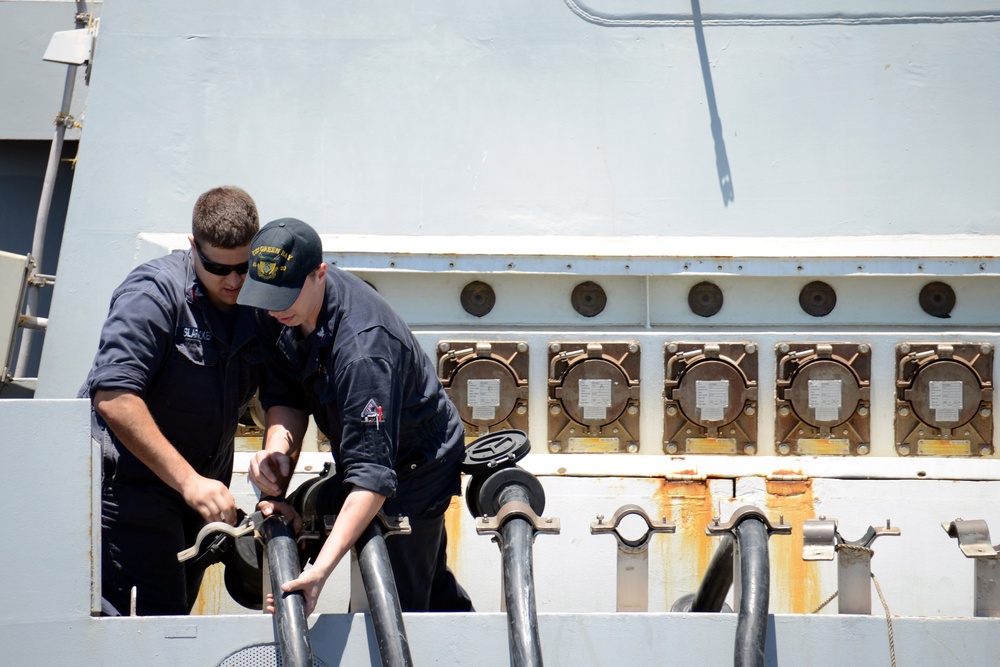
(197,369)
(393,430)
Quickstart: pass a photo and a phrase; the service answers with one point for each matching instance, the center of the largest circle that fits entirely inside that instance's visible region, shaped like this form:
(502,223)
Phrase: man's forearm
(358,510)
(129,418)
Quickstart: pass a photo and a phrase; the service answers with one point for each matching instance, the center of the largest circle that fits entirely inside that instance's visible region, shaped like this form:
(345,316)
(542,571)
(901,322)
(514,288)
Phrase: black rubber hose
(289,608)
(755,585)
(383,599)
(518,581)
(718,579)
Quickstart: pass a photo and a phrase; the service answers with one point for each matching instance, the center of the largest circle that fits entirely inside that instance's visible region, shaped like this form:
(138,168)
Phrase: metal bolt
(555,446)
(633,410)
(522,410)
(671,411)
(862,411)
(522,347)
(750,410)
(904,450)
(671,447)
(632,448)
(783,348)
(600,518)
(554,347)
(671,347)
(750,448)
(784,411)
(863,348)
(784,448)
(986,349)
(903,412)
(633,347)
(984,450)
(554,410)
(444,347)
(862,448)
(715,520)
(750,348)
(985,412)
(904,348)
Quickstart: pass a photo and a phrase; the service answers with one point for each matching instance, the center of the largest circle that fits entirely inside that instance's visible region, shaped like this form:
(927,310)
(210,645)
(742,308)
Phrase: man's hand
(310,582)
(269,472)
(210,498)
(269,507)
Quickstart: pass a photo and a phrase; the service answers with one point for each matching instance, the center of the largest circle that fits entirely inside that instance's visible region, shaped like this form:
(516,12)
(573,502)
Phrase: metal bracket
(210,529)
(747,512)
(973,538)
(820,538)
(822,541)
(974,541)
(625,544)
(492,524)
(633,556)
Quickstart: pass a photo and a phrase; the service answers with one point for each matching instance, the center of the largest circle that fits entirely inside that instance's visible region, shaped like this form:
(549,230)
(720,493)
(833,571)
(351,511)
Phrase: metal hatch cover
(495,450)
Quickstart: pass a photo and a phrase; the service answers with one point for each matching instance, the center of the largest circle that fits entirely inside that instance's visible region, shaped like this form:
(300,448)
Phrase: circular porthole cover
(937,299)
(495,450)
(589,299)
(478,298)
(705,299)
(818,299)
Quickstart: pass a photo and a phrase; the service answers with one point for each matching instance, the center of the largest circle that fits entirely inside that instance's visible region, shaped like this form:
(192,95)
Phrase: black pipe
(518,582)
(718,579)
(289,608)
(755,585)
(383,599)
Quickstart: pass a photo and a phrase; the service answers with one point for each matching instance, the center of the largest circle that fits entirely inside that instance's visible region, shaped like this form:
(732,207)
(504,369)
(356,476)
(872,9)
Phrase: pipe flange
(489,492)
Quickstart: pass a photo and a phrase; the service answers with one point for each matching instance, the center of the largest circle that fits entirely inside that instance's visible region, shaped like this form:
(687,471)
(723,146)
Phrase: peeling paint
(795,583)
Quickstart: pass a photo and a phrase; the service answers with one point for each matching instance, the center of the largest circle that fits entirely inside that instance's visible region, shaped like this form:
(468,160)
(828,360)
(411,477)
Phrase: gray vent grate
(261,655)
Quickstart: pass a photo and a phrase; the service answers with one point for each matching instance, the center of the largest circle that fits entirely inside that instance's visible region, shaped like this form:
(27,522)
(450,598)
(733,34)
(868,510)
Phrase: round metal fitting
(489,492)
(495,450)
(937,299)
(825,370)
(818,299)
(595,369)
(711,370)
(705,299)
(945,373)
(478,298)
(589,299)
(478,370)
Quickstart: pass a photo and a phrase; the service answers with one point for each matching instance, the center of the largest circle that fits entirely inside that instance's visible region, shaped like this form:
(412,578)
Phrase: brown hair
(225,217)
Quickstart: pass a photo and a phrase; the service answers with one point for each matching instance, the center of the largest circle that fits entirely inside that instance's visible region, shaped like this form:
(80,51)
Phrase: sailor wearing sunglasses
(177,366)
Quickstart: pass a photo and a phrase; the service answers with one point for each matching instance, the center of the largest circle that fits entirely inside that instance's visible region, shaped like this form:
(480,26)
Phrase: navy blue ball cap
(282,255)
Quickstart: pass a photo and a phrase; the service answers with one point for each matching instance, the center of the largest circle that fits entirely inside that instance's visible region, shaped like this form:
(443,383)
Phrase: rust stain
(796,589)
(687,552)
(212,592)
(453,527)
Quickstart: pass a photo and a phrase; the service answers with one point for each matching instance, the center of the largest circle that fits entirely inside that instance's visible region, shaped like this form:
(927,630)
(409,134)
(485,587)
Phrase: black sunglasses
(220,269)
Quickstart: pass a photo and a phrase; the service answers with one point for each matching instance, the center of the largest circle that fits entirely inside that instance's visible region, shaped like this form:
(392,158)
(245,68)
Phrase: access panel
(594,397)
(710,398)
(822,405)
(487,382)
(944,399)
